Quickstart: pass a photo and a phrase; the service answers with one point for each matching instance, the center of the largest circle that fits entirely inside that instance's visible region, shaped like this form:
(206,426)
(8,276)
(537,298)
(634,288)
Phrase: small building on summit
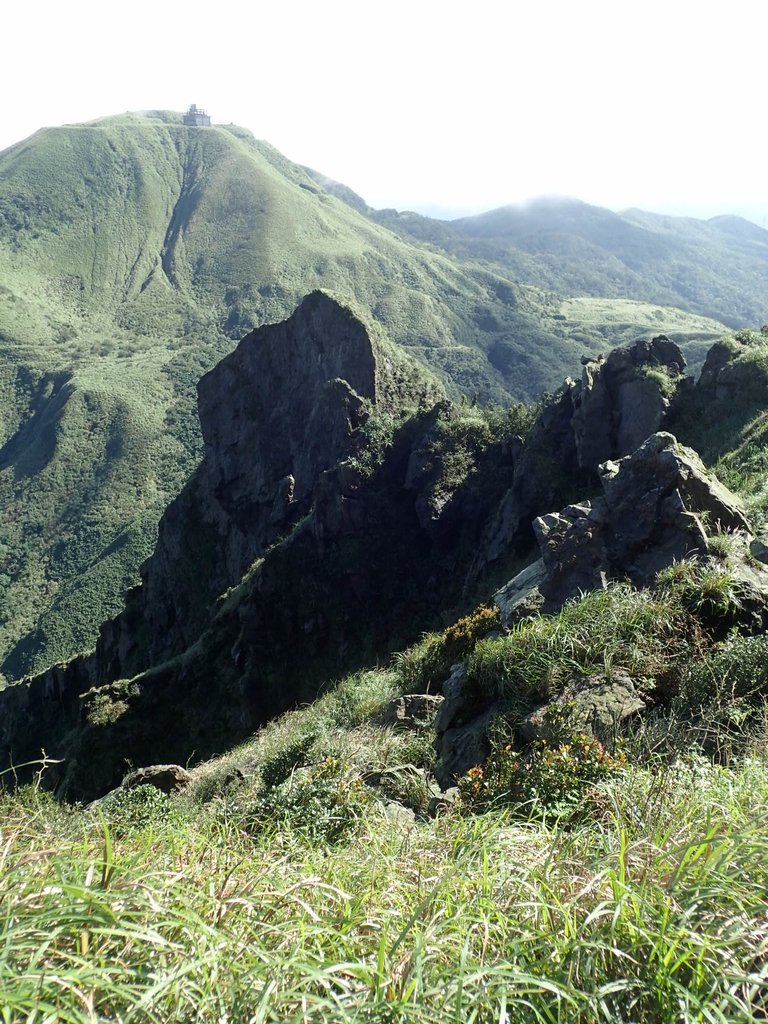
(196,117)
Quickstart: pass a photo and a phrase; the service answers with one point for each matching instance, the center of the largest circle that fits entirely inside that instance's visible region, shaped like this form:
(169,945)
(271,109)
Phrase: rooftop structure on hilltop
(196,117)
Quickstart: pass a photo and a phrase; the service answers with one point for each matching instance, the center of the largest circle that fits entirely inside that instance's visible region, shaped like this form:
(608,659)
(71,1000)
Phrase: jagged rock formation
(619,402)
(318,531)
(276,415)
(652,512)
(340,508)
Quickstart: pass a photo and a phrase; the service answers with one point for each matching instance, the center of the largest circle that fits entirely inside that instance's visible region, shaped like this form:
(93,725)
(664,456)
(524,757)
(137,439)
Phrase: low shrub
(322,803)
(709,592)
(143,807)
(281,765)
(722,698)
(425,666)
(736,669)
(722,545)
(405,785)
(553,777)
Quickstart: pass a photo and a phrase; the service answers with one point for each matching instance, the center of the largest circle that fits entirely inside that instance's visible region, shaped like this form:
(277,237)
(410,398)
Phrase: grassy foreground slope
(289,883)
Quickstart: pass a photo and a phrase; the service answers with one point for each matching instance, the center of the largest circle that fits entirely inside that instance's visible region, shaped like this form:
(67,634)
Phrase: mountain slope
(132,251)
(175,232)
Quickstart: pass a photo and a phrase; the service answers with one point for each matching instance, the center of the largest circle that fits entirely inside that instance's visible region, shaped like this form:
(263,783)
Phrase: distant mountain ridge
(717,268)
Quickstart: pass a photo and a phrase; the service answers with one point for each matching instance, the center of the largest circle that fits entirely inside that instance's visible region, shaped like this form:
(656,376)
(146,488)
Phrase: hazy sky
(426,105)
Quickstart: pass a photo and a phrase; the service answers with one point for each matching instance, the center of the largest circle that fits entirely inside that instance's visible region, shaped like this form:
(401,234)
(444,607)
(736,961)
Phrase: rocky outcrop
(168,778)
(619,402)
(412,710)
(652,512)
(624,398)
(649,515)
(734,372)
(598,705)
(276,414)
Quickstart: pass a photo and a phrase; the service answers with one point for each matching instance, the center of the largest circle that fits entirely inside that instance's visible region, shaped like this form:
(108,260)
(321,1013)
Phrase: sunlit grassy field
(651,909)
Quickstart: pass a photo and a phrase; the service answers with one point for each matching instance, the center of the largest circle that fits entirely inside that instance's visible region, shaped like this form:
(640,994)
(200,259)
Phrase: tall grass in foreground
(653,911)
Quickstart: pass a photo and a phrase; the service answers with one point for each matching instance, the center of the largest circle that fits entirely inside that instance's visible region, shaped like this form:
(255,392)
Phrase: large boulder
(412,710)
(168,778)
(651,513)
(461,727)
(598,705)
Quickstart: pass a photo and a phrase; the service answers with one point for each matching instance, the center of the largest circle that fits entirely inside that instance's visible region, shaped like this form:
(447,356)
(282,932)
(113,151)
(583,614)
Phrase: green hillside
(136,229)
(133,251)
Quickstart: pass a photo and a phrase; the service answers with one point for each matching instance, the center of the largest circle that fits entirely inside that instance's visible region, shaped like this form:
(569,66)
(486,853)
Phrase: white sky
(435,106)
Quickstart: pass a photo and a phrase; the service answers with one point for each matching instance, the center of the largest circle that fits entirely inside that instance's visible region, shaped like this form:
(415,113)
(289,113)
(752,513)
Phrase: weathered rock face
(648,517)
(521,597)
(598,705)
(276,414)
(623,399)
(619,402)
(730,375)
